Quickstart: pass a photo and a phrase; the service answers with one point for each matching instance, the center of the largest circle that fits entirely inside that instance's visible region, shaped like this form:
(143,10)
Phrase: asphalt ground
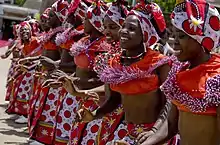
(10,132)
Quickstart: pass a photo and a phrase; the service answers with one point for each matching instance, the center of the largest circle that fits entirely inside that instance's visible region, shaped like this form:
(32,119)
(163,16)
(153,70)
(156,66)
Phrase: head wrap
(16,30)
(45,14)
(151,21)
(24,24)
(116,11)
(79,8)
(96,14)
(60,8)
(35,27)
(199,20)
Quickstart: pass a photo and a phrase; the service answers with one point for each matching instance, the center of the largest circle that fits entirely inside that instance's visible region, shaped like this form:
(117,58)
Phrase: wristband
(154,129)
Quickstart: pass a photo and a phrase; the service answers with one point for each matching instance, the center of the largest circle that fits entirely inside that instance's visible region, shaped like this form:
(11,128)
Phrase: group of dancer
(87,73)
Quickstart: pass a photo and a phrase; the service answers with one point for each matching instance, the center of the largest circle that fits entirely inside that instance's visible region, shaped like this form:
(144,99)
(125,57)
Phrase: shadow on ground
(10,122)
(15,143)
(13,132)
(4,106)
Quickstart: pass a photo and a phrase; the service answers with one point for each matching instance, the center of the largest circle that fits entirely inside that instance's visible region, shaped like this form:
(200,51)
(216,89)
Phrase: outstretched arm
(10,49)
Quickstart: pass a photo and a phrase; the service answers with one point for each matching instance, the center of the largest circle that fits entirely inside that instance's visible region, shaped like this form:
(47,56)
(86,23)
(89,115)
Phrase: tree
(166,5)
(20,2)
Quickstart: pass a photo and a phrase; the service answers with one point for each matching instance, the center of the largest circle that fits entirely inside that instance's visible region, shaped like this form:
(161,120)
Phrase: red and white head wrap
(96,14)
(23,25)
(35,27)
(151,21)
(115,11)
(16,30)
(199,20)
(79,8)
(45,14)
(60,8)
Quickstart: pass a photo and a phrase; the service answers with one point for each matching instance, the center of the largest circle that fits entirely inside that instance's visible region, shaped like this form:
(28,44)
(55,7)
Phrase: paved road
(10,133)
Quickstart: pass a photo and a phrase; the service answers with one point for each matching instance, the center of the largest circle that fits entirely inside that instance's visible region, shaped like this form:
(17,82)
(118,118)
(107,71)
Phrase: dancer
(84,52)
(142,28)
(193,84)
(43,109)
(11,50)
(31,47)
(66,109)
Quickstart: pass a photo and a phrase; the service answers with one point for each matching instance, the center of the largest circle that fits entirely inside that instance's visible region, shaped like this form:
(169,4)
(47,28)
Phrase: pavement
(10,132)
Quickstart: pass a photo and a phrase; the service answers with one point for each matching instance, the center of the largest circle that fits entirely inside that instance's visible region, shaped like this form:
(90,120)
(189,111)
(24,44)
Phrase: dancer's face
(53,19)
(25,33)
(44,24)
(130,34)
(111,30)
(185,47)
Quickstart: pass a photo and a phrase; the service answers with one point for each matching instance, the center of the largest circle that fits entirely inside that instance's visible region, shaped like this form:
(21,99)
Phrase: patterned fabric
(91,132)
(32,24)
(66,115)
(21,94)
(96,14)
(16,30)
(115,11)
(45,116)
(129,132)
(199,20)
(35,27)
(110,123)
(11,73)
(151,20)
(60,8)
(182,86)
(79,8)
(45,14)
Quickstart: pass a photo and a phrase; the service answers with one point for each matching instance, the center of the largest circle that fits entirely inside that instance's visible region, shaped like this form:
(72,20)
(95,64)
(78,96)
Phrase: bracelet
(154,129)
(94,112)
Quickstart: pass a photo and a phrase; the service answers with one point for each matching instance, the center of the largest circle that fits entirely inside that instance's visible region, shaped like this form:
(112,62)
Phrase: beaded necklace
(67,35)
(47,36)
(123,57)
(87,51)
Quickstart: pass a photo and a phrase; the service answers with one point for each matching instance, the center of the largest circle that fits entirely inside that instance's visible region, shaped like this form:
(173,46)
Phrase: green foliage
(166,5)
(37,16)
(69,1)
(20,2)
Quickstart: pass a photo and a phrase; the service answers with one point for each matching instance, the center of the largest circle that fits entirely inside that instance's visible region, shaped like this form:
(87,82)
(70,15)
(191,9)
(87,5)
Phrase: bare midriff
(198,129)
(86,74)
(141,108)
(52,54)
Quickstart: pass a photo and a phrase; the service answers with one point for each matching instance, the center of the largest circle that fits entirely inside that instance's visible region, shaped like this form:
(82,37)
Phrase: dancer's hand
(24,61)
(9,82)
(47,82)
(40,74)
(145,137)
(55,84)
(68,84)
(56,74)
(4,56)
(48,63)
(120,142)
(84,115)
(21,68)
(15,59)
